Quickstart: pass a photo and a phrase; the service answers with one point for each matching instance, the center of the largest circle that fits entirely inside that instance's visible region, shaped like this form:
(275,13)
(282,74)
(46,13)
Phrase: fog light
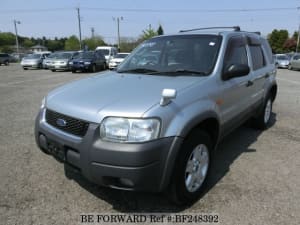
(126,182)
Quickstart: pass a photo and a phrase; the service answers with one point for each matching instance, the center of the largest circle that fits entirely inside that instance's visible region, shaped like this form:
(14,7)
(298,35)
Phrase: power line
(192,10)
(154,10)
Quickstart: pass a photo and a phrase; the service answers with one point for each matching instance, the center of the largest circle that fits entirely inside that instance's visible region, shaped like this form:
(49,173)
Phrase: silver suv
(154,124)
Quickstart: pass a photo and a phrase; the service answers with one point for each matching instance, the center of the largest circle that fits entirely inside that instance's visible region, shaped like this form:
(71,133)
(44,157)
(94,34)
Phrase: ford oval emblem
(61,122)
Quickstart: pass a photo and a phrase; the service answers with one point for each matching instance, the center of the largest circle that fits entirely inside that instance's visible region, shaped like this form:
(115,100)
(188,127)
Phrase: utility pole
(79,24)
(298,39)
(118,24)
(93,32)
(16,30)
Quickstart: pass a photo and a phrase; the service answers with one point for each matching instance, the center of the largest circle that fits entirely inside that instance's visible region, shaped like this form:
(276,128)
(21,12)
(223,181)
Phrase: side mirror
(235,70)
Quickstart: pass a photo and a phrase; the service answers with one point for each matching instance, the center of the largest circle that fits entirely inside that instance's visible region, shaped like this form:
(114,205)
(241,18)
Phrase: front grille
(72,125)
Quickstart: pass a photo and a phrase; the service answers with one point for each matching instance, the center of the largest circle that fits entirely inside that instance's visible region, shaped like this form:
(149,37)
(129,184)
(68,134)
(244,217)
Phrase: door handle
(249,83)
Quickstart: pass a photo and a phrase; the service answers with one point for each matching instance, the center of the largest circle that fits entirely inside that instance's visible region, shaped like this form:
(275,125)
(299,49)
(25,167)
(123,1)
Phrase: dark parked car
(88,61)
(4,59)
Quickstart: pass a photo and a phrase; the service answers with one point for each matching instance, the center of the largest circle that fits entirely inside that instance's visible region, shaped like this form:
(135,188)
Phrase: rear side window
(257,56)
(268,50)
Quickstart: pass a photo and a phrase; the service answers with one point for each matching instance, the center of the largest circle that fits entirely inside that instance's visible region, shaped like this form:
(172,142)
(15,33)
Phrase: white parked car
(115,61)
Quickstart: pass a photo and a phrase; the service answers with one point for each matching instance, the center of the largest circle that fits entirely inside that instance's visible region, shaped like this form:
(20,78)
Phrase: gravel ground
(255,177)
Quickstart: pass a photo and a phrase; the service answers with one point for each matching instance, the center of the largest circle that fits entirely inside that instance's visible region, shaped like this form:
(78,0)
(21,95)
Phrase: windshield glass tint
(282,57)
(84,55)
(103,51)
(64,55)
(34,56)
(175,53)
(121,55)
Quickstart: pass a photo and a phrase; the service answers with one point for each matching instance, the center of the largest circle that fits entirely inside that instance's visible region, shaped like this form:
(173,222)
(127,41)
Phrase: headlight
(43,104)
(129,130)
(71,63)
(87,63)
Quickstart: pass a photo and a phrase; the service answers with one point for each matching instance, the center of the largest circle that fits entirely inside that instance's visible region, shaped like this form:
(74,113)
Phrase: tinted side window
(236,52)
(257,56)
(268,50)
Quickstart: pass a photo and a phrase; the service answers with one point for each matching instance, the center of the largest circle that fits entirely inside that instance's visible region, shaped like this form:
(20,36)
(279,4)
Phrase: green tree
(160,30)
(128,44)
(92,43)
(148,33)
(277,39)
(28,43)
(7,38)
(72,43)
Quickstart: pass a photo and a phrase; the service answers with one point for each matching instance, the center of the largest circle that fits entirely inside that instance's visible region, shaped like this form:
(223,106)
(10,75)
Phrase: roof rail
(235,28)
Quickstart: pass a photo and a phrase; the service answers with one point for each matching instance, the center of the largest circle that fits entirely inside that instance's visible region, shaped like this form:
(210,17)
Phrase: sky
(58,18)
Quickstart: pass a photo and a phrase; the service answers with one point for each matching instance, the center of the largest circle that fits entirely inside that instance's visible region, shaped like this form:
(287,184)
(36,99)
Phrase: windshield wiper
(138,70)
(181,72)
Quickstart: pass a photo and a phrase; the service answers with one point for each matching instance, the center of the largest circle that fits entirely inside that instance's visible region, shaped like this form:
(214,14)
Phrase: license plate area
(56,150)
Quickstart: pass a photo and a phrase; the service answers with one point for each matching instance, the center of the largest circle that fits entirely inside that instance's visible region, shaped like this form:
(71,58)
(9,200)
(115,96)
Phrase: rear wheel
(73,71)
(25,68)
(192,167)
(264,118)
(53,70)
(6,63)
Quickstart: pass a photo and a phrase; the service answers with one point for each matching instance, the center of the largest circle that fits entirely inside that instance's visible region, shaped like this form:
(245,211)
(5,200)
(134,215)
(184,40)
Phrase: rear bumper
(139,167)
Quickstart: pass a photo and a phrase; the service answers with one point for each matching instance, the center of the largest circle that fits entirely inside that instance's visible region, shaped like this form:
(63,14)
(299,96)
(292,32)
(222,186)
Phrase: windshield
(84,55)
(64,55)
(33,56)
(174,55)
(103,51)
(283,57)
(121,55)
(52,55)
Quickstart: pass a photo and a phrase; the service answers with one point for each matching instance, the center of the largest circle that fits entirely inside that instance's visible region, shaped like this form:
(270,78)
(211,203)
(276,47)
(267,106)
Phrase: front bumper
(59,67)
(81,67)
(139,167)
(30,65)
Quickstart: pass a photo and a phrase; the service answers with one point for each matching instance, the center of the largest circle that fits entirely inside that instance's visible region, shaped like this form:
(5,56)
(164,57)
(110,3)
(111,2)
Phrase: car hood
(113,94)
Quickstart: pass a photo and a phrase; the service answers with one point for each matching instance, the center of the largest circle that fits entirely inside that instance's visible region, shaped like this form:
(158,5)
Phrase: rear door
(261,70)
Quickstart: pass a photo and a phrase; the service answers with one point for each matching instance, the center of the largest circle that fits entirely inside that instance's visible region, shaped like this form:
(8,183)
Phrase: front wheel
(192,166)
(94,69)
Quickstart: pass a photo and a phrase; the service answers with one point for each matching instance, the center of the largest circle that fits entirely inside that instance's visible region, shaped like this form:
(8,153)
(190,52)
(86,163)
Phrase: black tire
(94,68)
(25,68)
(6,63)
(290,67)
(73,71)
(262,121)
(53,70)
(178,191)
(104,66)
